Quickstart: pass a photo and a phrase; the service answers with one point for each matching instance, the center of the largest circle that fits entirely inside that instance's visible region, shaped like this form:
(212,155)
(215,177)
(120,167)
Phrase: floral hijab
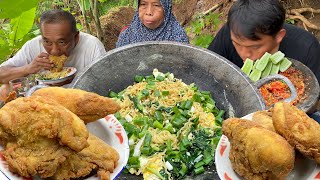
(169,30)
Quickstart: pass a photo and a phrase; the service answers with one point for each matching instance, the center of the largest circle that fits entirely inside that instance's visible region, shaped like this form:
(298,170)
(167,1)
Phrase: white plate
(304,168)
(67,77)
(108,129)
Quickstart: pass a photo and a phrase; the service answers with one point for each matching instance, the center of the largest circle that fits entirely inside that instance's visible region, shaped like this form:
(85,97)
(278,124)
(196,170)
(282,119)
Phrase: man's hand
(40,62)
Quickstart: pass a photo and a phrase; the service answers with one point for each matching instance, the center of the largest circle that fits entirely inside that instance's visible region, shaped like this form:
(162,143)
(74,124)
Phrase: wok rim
(261,103)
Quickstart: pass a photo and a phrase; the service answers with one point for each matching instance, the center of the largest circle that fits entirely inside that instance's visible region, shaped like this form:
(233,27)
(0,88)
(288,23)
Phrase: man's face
(58,39)
(254,49)
(151,13)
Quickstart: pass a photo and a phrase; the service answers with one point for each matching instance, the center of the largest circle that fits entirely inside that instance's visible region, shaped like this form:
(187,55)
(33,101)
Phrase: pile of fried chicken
(264,148)
(45,134)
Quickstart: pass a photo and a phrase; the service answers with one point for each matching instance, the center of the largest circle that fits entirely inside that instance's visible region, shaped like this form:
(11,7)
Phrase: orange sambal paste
(277,90)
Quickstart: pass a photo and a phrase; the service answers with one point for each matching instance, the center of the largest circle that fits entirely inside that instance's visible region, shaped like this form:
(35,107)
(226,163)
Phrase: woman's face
(151,13)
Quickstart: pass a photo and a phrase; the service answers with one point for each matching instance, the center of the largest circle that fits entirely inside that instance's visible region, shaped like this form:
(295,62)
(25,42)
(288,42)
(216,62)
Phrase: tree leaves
(21,25)
(12,9)
(13,35)
(201,37)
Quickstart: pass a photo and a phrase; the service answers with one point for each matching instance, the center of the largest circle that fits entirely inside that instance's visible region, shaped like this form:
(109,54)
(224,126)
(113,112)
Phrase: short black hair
(57,16)
(249,18)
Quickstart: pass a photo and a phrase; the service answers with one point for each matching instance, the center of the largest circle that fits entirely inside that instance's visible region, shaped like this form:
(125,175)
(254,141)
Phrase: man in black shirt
(257,26)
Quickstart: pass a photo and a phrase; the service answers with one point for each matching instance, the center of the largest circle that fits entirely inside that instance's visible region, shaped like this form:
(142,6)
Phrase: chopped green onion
(156,93)
(178,121)
(151,77)
(199,170)
(145,92)
(158,115)
(188,104)
(183,169)
(169,128)
(160,78)
(113,94)
(165,93)
(198,164)
(157,124)
(138,78)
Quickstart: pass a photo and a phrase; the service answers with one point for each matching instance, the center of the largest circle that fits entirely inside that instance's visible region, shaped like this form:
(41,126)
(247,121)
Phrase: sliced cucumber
(263,61)
(274,69)
(285,64)
(267,70)
(277,57)
(255,63)
(255,75)
(247,66)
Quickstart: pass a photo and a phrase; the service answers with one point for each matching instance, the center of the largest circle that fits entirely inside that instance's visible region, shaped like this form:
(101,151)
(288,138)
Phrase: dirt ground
(185,11)
(113,23)
(313,18)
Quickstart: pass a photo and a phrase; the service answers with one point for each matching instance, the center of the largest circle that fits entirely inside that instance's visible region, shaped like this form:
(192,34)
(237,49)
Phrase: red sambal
(277,90)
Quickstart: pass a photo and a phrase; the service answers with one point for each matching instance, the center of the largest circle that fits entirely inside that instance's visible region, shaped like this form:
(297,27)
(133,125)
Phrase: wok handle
(267,79)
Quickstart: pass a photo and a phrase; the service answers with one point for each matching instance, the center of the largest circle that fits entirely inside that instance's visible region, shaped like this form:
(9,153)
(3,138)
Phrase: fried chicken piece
(98,155)
(58,62)
(87,106)
(38,134)
(257,153)
(41,157)
(264,119)
(301,131)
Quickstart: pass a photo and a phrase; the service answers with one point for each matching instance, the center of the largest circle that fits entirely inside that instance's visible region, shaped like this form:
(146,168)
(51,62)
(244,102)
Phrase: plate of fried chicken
(281,143)
(52,134)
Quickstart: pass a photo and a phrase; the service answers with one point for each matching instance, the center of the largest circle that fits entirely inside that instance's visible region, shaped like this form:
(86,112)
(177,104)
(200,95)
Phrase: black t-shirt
(298,44)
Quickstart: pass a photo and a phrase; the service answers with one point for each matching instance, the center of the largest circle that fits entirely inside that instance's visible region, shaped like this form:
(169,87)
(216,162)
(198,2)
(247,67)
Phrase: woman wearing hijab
(153,21)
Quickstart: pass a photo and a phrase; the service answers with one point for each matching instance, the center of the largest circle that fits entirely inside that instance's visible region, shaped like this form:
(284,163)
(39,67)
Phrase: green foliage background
(17,25)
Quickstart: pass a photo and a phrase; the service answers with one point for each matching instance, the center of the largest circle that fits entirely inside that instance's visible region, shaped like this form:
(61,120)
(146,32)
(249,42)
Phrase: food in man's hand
(301,131)
(58,62)
(173,127)
(87,106)
(98,156)
(38,134)
(257,153)
(264,118)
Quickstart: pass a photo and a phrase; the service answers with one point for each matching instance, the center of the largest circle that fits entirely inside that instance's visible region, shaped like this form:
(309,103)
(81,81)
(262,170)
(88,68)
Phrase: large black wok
(230,88)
